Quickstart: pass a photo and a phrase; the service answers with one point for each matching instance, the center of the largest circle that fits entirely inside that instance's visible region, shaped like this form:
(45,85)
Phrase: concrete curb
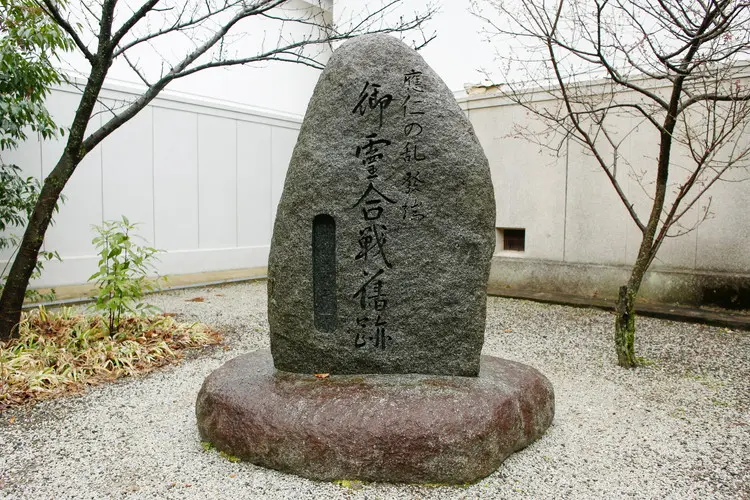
(85,300)
(672,312)
(738,321)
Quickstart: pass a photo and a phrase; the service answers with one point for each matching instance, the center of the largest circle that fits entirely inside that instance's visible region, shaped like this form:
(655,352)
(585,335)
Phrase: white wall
(202,178)
(571,212)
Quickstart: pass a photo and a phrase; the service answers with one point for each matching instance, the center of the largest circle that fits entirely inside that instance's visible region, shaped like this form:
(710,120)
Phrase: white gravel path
(679,428)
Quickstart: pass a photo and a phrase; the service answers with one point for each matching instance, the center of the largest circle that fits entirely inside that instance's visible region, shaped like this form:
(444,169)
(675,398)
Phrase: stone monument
(377,293)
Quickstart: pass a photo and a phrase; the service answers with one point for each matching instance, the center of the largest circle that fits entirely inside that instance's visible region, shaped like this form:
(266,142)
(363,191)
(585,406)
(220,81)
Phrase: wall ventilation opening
(511,239)
(324,272)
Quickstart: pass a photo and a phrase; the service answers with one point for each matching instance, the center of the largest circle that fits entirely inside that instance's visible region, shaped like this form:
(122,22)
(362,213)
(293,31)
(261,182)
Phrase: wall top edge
(531,262)
(322,4)
(190,99)
(496,96)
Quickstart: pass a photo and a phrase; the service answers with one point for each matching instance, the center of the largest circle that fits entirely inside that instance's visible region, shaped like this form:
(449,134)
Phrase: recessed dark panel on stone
(386,152)
(324,272)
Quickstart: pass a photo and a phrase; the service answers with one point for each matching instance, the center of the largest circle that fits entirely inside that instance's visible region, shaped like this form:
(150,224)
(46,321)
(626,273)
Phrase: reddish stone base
(392,428)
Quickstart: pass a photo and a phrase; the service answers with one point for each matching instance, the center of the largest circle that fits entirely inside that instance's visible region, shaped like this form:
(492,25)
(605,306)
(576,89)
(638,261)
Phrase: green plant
(645,361)
(17,199)
(229,457)
(208,447)
(29,42)
(122,278)
(351,484)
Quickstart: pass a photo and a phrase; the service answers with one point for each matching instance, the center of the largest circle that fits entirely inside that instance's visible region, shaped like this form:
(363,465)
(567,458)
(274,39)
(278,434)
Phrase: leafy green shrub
(122,278)
(17,199)
(29,43)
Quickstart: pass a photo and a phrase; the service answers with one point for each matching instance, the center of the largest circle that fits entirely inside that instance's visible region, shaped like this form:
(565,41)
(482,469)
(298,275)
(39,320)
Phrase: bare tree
(203,32)
(676,66)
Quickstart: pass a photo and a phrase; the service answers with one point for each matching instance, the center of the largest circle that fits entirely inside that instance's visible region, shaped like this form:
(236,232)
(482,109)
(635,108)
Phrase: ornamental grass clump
(62,352)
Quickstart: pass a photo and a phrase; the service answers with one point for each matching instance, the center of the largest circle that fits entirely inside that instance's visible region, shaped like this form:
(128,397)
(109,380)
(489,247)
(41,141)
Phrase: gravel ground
(678,428)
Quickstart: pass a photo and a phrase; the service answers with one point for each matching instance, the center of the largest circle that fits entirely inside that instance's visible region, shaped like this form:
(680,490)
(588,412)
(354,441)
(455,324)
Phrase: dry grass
(61,352)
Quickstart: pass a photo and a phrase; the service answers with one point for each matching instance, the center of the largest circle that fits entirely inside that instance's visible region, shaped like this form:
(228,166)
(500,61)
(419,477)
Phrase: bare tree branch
(133,20)
(676,64)
(51,9)
(289,52)
(105,29)
(179,25)
(586,137)
(714,98)
(136,70)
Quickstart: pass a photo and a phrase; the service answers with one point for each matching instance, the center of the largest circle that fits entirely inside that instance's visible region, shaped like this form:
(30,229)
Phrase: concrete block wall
(579,237)
(201,178)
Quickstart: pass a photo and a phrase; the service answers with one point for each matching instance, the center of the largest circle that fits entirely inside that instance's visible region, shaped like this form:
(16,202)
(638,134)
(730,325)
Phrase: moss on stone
(351,484)
(229,457)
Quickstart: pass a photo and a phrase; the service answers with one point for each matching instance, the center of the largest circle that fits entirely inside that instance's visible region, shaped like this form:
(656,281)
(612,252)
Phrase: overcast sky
(458,53)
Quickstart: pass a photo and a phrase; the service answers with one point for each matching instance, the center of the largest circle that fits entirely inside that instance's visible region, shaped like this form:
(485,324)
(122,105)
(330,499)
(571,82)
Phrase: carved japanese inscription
(385,229)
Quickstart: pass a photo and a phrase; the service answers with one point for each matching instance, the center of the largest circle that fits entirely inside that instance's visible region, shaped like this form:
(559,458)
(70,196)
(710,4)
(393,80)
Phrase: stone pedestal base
(392,428)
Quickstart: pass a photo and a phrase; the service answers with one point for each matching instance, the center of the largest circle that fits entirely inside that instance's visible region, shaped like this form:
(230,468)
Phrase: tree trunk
(625,328)
(11,300)
(28,252)
(625,308)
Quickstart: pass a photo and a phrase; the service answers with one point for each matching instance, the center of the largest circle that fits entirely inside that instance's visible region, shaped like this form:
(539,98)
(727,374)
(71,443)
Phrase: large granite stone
(385,229)
(395,428)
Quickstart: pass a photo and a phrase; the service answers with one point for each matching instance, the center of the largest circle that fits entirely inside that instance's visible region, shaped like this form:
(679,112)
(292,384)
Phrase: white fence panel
(202,178)
(254,205)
